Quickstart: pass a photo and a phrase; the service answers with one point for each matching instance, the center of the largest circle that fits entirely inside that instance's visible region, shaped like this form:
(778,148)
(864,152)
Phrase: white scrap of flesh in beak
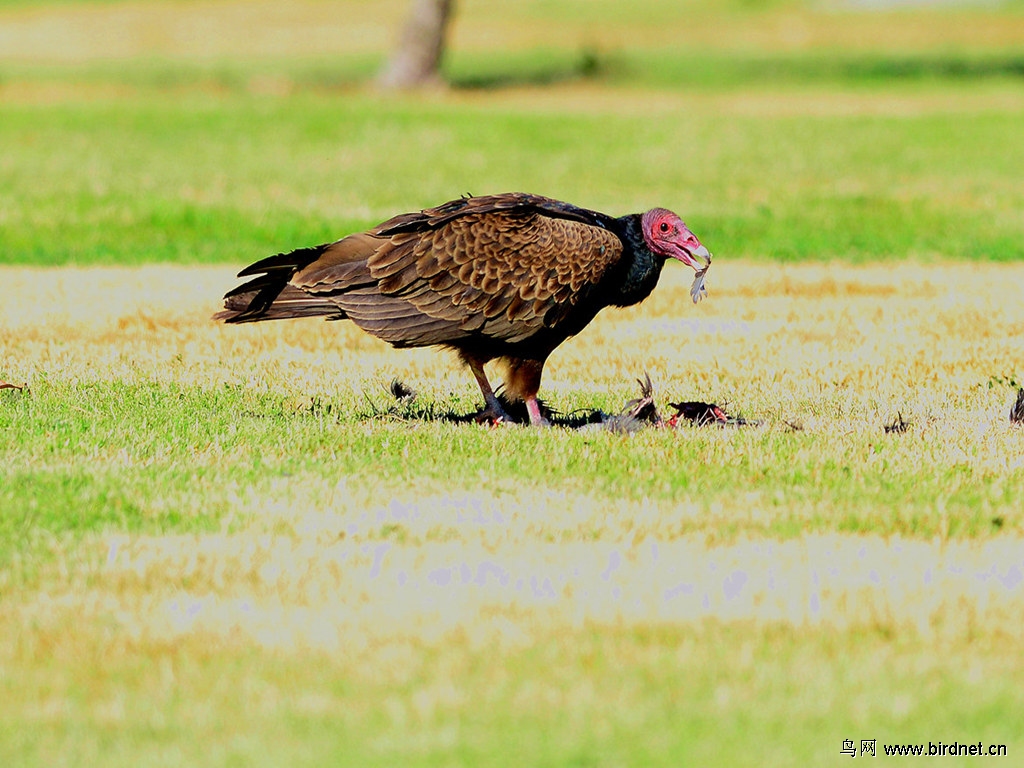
(697,289)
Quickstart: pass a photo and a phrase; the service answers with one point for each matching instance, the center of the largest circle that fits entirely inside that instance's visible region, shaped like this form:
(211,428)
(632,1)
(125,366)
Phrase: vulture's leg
(494,411)
(523,383)
(533,408)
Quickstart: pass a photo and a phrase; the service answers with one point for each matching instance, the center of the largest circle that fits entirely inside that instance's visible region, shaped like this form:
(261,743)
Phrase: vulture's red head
(667,235)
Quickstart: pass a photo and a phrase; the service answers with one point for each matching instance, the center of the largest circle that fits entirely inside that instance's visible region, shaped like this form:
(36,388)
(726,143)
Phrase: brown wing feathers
(512,268)
(497,266)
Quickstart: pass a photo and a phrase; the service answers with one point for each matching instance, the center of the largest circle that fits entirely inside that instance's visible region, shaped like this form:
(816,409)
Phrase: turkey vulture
(501,277)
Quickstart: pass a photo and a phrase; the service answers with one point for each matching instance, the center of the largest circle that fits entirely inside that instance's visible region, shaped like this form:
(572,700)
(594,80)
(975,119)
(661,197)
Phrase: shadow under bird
(500,277)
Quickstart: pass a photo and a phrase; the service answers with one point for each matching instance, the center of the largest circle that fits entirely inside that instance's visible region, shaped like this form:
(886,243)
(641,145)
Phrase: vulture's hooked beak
(689,250)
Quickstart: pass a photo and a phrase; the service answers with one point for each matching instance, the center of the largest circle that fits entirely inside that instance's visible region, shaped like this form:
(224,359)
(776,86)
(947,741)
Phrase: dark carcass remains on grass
(1017,411)
(639,413)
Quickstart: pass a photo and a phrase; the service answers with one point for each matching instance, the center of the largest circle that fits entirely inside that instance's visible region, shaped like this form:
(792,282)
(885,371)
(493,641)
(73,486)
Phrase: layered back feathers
(502,267)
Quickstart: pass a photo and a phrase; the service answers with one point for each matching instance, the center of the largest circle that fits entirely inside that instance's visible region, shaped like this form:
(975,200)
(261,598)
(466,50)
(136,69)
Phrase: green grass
(199,179)
(151,458)
(721,695)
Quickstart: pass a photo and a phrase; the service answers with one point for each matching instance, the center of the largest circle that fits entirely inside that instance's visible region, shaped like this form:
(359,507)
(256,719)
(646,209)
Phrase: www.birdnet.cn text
(871,748)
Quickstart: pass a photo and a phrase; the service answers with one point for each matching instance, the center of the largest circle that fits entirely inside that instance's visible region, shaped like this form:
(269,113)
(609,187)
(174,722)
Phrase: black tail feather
(255,299)
(290,262)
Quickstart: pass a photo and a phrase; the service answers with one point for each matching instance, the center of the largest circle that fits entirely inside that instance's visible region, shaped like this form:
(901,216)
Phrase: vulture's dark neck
(640,267)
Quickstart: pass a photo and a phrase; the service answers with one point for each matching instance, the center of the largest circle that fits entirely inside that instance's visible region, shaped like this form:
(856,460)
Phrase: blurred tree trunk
(417,61)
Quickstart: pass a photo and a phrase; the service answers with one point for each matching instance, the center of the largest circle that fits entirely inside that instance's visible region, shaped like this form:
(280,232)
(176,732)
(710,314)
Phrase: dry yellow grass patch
(220,29)
(332,584)
(814,101)
(211,30)
(944,325)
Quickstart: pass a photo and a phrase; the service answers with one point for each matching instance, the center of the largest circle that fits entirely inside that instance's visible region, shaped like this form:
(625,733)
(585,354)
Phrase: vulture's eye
(664,226)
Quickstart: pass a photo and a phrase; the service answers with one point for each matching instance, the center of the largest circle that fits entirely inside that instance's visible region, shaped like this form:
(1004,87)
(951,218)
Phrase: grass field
(231,546)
